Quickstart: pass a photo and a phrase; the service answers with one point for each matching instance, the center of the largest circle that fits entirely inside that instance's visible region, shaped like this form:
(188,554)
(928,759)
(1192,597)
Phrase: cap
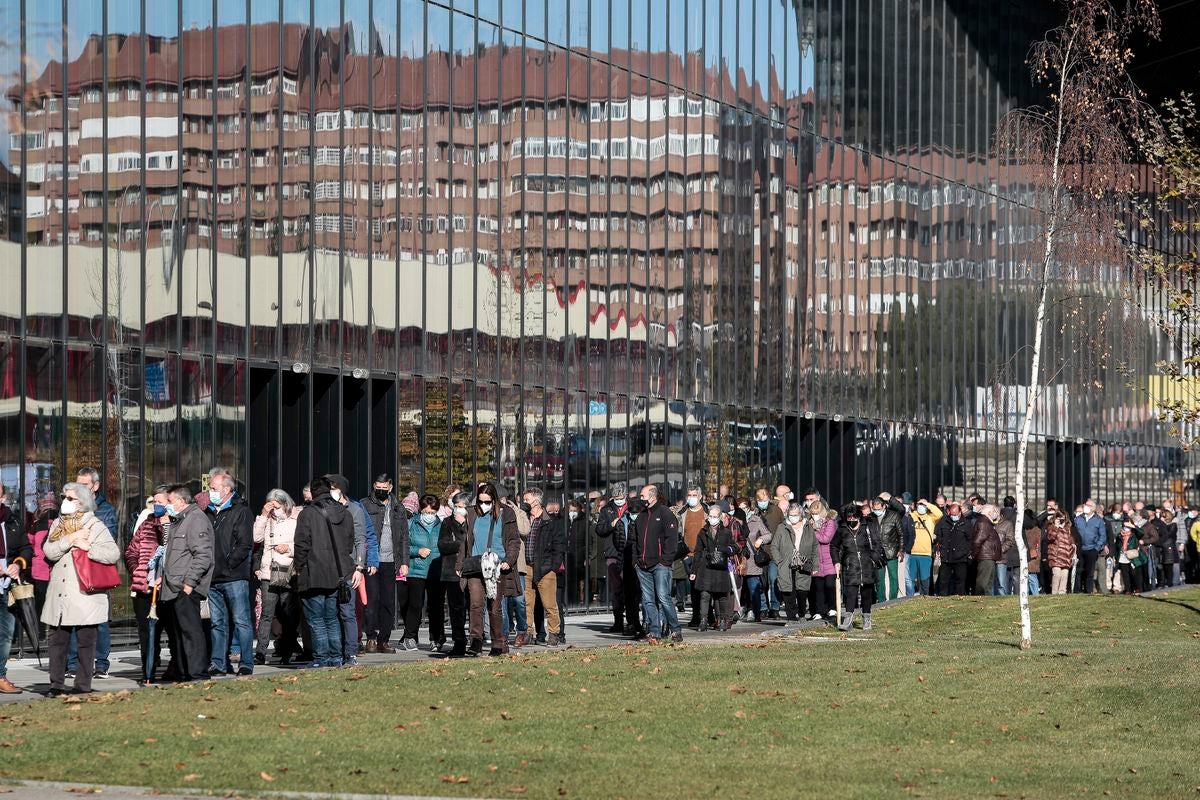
(339,481)
(411,503)
(618,490)
(906,498)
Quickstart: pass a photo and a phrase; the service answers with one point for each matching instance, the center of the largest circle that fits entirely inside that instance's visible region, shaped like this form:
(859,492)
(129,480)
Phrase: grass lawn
(937,703)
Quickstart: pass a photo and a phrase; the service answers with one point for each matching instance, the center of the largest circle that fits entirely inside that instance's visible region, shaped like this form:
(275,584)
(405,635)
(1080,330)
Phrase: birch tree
(1073,156)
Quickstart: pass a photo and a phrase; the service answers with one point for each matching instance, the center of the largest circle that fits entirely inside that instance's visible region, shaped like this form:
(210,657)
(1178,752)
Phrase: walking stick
(837,584)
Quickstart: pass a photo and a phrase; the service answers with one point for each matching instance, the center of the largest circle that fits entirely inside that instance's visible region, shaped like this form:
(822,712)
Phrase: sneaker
(352,661)
(69,674)
(677,637)
(100,675)
(651,638)
(244,672)
(435,647)
(476,647)
(260,659)
(410,644)
(214,671)
(552,640)
(541,639)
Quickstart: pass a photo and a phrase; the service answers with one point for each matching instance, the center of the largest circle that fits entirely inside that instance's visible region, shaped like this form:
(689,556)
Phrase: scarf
(68,525)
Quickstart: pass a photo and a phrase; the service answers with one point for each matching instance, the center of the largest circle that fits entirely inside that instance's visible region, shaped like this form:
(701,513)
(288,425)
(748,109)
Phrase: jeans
(8,624)
(1035,583)
(514,607)
(772,575)
(756,595)
(658,609)
(321,611)
(348,622)
(1174,574)
(892,589)
(103,648)
(229,610)
(1000,585)
(916,575)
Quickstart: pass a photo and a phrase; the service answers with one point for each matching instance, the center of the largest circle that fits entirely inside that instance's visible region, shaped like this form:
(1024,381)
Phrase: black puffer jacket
(891,528)
(1166,551)
(858,550)
(450,542)
(710,578)
(233,541)
(610,526)
(321,561)
(954,540)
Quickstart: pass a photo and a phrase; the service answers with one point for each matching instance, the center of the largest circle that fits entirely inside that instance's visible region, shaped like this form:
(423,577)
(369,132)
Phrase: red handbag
(93,576)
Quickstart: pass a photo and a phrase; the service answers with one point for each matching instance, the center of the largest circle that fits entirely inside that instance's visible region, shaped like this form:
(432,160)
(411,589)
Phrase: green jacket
(1134,543)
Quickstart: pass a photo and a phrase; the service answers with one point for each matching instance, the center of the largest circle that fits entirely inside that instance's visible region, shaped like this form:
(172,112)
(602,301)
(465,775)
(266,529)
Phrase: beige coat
(66,605)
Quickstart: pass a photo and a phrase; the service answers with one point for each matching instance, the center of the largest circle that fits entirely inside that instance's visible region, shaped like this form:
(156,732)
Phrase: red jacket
(1060,545)
(139,552)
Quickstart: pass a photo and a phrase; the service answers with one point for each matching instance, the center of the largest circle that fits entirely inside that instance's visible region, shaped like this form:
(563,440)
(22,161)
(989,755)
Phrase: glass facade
(563,243)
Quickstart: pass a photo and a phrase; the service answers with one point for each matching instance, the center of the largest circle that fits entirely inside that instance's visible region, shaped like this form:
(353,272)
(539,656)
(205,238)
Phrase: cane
(837,584)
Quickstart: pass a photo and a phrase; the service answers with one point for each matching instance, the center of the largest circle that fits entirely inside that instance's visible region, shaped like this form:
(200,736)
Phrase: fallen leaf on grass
(191,776)
(505,715)
(740,714)
(266,776)
(552,671)
(455,779)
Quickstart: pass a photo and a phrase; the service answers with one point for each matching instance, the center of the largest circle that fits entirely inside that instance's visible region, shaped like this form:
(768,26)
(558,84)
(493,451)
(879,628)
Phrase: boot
(847,621)
(866,622)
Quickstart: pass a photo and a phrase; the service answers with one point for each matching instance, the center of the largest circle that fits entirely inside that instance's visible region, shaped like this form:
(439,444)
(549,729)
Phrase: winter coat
(858,551)
(66,604)
(233,540)
(784,545)
(1060,545)
(985,543)
(825,533)
(1008,543)
(140,550)
(1092,532)
(323,551)
(399,521)
(17,545)
(655,537)
(506,541)
(450,541)
(270,532)
(756,530)
(610,526)
(1131,540)
(891,528)
(926,523)
(39,568)
(1165,550)
(549,546)
(710,578)
(189,556)
(106,514)
(421,535)
(954,540)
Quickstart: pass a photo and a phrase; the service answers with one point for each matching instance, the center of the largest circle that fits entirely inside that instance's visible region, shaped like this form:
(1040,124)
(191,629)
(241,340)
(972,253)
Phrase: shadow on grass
(1169,601)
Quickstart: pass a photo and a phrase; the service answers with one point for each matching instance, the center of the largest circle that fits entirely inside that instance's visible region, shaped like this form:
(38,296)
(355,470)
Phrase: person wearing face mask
(656,542)
(183,582)
(919,548)
(953,537)
(68,609)
(710,567)
(859,551)
(16,554)
(1060,551)
(38,531)
(1092,538)
(147,537)
(986,548)
(545,548)
(797,555)
(229,600)
(758,543)
(613,526)
(424,560)
(391,520)
(275,532)
(1192,547)
(492,535)
(823,594)
(365,557)
(323,560)
(769,513)
(889,514)
(692,520)
(450,542)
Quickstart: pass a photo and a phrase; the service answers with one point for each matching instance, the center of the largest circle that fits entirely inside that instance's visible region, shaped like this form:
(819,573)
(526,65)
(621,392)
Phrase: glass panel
(386,209)
(85,412)
(162,221)
(331,157)
(43,423)
(298,165)
(358,206)
(231,417)
(267,104)
(196,440)
(410,447)
(232,183)
(199,177)
(162,419)
(411,149)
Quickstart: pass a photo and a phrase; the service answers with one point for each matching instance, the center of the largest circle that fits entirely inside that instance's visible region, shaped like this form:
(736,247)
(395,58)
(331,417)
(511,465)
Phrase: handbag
(19,590)
(762,556)
(717,559)
(799,562)
(1132,554)
(93,576)
(472,566)
(281,576)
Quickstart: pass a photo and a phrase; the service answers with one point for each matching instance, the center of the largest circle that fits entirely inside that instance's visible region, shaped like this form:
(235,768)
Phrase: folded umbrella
(21,604)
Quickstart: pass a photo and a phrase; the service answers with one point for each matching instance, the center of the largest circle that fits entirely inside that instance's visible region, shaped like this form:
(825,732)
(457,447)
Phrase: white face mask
(428,518)
(633,515)
(693,502)
(459,511)
(714,520)
(922,508)
(279,513)
(794,520)
(791,496)
(68,507)
(336,494)
(619,502)
(574,515)
(485,508)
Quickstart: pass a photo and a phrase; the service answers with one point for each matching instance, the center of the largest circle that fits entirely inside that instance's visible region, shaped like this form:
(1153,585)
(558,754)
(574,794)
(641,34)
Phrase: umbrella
(22,606)
(148,664)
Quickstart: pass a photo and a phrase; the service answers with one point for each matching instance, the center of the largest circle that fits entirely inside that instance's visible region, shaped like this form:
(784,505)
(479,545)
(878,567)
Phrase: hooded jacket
(324,545)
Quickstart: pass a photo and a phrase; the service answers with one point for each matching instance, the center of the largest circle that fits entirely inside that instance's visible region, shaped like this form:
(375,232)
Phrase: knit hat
(411,503)
(47,502)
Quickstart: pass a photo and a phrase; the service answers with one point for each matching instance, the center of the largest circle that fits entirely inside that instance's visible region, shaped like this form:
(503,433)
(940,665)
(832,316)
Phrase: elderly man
(184,582)
(655,541)
(229,598)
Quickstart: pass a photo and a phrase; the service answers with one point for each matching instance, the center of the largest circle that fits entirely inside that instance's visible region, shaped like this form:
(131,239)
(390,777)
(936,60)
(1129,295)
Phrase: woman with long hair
(486,563)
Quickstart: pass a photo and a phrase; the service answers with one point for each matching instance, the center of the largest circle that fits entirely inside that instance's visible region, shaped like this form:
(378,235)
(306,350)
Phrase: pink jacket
(270,532)
(40,567)
(825,534)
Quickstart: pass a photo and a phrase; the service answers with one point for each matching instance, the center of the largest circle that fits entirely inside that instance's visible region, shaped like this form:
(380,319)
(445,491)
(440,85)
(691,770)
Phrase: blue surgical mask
(159,510)
(693,502)
(171,512)
(877,512)
(954,517)
(633,515)
(763,505)
(428,518)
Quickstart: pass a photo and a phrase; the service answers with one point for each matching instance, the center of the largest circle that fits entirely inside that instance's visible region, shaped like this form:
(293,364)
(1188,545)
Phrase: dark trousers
(60,638)
(186,636)
(150,651)
(722,606)
(442,594)
(1087,564)
(985,573)
(284,604)
(858,597)
(953,578)
(412,602)
(822,596)
(380,616)
(480,606)
(624,591)
(695,620)
(1131,579)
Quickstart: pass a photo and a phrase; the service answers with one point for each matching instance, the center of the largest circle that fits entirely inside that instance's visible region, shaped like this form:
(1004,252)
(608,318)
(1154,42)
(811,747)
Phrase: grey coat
(189,555)
(756,530)
(782,547)
(66,604)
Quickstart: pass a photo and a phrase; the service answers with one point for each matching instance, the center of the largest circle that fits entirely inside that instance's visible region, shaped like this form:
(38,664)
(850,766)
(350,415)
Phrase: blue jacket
(420,536)
(372,538)
(107,514)
(1093,533)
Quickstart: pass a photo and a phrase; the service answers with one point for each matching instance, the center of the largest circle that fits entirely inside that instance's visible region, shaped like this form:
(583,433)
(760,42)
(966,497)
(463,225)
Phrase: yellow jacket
(927,522)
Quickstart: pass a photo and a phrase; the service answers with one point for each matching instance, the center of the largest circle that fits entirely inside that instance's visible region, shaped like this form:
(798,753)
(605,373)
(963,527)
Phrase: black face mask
(382,495)
(528,509)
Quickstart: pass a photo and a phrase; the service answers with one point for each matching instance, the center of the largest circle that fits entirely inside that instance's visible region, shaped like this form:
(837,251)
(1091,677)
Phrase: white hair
(84,497)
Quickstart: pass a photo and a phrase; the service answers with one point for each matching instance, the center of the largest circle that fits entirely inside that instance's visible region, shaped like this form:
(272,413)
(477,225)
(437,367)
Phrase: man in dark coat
(324,548)
(229,596)
(889,514)
(545,549)
(656,542)
(390,520)
(613,526)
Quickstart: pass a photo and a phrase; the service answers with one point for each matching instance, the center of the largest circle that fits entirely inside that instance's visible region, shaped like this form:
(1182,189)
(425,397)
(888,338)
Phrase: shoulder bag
(472,566)
(93,576)
(281,576)
(799,562)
